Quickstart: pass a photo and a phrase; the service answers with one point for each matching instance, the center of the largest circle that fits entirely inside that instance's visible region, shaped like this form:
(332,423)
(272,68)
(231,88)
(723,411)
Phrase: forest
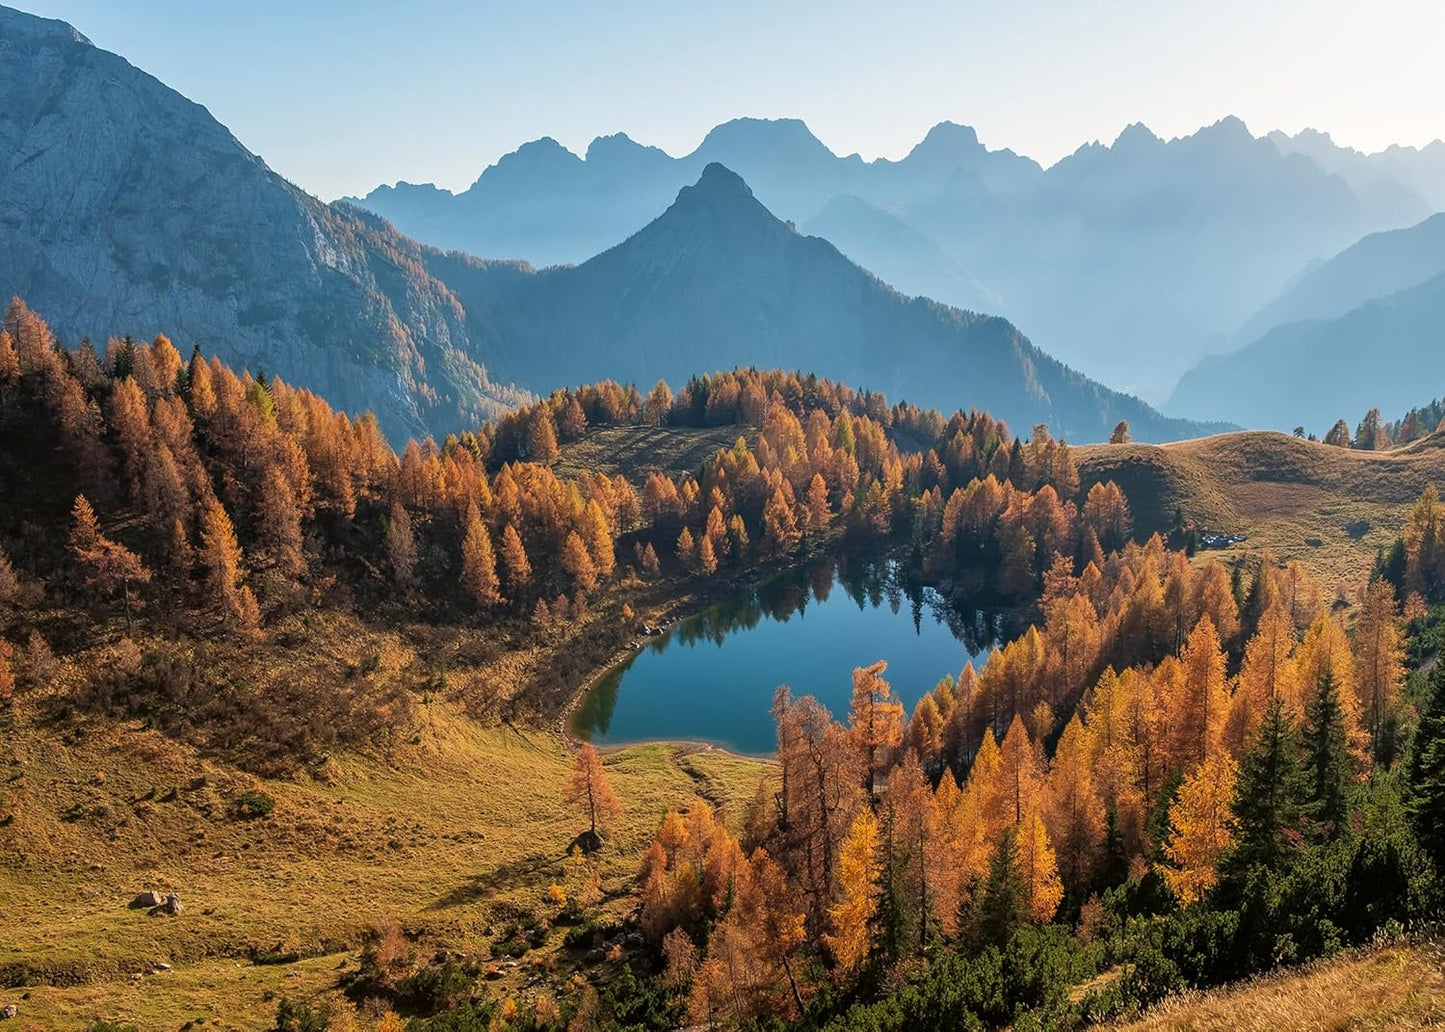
(1184,772)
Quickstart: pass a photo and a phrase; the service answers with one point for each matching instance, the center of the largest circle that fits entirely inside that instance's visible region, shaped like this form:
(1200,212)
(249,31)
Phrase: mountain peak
(746,136)
(1136,136)
(19,26)
(718,182)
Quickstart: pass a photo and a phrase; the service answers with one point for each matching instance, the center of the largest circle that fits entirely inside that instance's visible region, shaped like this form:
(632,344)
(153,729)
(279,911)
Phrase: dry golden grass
(636,451)
(1390,987)
(453,835)
(1280,491)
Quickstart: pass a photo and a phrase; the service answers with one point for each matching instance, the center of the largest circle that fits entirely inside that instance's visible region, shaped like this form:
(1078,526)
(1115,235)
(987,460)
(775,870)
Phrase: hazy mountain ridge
(126,208)
(1311,372)
(718,281)
(1100,257)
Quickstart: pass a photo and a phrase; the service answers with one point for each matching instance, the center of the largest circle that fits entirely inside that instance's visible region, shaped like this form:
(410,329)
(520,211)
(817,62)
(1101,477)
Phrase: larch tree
(109,566)
(1379,657)
(1120,434)
(875,723)
(589,790)
(780,526)
(1201,827)
(686,550)
(220,555)
(598,538)
(1020,778)
(819,514)
(514,560)
(401,546)
(1074,810)
(279,519)
(851,938)
(479,562)
(1039,868)
(706,557)
(1201,703)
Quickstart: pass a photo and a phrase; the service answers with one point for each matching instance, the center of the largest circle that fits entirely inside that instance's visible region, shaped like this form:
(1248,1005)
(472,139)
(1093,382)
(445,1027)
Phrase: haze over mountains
(1361,330)
(125,208)
(1129,261)
(718,275)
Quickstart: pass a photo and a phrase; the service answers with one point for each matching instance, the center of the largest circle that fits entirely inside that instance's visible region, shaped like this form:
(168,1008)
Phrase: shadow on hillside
(509,876)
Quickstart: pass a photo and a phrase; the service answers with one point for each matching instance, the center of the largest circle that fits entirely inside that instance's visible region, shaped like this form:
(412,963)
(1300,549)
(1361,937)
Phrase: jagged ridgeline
(173,227)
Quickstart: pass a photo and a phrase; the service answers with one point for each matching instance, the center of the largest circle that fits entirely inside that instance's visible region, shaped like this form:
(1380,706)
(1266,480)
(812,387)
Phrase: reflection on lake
(712,676)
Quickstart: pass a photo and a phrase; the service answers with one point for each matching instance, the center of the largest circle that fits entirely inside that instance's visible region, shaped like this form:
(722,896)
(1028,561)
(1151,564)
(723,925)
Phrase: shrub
(248,806)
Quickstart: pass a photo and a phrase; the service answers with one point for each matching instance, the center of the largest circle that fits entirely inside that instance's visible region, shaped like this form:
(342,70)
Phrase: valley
(733,584)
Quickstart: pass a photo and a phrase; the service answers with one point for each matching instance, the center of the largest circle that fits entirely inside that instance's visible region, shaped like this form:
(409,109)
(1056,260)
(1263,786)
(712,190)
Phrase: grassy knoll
(1390,987)
(456,834)
(1291,496)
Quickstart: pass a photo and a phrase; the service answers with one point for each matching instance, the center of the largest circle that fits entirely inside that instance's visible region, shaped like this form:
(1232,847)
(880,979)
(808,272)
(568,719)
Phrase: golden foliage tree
(589,790)
(1379,656)
(851,937)
(875,722)
(1201,827)
(479,562)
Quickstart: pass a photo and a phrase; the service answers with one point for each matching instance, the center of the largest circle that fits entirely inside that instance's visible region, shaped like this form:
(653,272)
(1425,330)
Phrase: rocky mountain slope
(126,208)
(718,281)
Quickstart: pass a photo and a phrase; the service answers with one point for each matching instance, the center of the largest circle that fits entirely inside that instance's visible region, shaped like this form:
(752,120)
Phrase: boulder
(594,956)
(147,899)
(9,1011)
(172,905)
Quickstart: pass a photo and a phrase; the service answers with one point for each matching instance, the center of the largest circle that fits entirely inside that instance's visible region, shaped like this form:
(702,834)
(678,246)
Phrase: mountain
(543,204)
(1315,371)
(1378,265)
(718,281)
(1412,179)
(895,252)
(126,208)
(1128,260)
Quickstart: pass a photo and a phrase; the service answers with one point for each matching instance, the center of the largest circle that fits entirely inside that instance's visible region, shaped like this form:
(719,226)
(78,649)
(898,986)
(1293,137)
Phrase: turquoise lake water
(711,677)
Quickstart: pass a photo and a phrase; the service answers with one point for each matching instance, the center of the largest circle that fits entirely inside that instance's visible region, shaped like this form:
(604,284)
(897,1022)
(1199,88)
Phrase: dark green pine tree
(1269,797)
(1425,775)
(1327,765)
(895,911)
(1114,867)
(1004,905)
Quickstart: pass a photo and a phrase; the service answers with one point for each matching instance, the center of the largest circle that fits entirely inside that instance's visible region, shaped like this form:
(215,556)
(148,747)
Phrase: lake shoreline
(716,724)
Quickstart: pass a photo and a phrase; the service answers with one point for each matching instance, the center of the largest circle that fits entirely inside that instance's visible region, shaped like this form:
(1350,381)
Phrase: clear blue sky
(342,96)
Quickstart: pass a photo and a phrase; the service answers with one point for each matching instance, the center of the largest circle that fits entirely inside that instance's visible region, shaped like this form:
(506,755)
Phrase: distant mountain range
(125,208)
(1364,329)
(717,279)
(1128,261)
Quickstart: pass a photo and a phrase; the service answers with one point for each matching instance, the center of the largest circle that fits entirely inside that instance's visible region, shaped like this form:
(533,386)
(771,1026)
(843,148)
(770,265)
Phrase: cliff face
(126,208)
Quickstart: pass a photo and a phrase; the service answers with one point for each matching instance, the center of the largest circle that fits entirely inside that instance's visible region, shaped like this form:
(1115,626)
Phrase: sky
(341,96)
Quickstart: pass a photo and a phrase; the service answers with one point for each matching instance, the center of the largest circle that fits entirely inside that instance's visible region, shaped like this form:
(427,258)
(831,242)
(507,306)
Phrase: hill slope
(126,208)
(1280,491)
(718,281)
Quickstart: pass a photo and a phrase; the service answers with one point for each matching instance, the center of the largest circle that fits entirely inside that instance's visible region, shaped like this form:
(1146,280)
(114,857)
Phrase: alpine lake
(711,677)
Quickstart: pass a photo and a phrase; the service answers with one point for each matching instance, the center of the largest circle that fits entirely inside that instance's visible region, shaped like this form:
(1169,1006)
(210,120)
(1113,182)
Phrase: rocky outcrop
(126,208)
